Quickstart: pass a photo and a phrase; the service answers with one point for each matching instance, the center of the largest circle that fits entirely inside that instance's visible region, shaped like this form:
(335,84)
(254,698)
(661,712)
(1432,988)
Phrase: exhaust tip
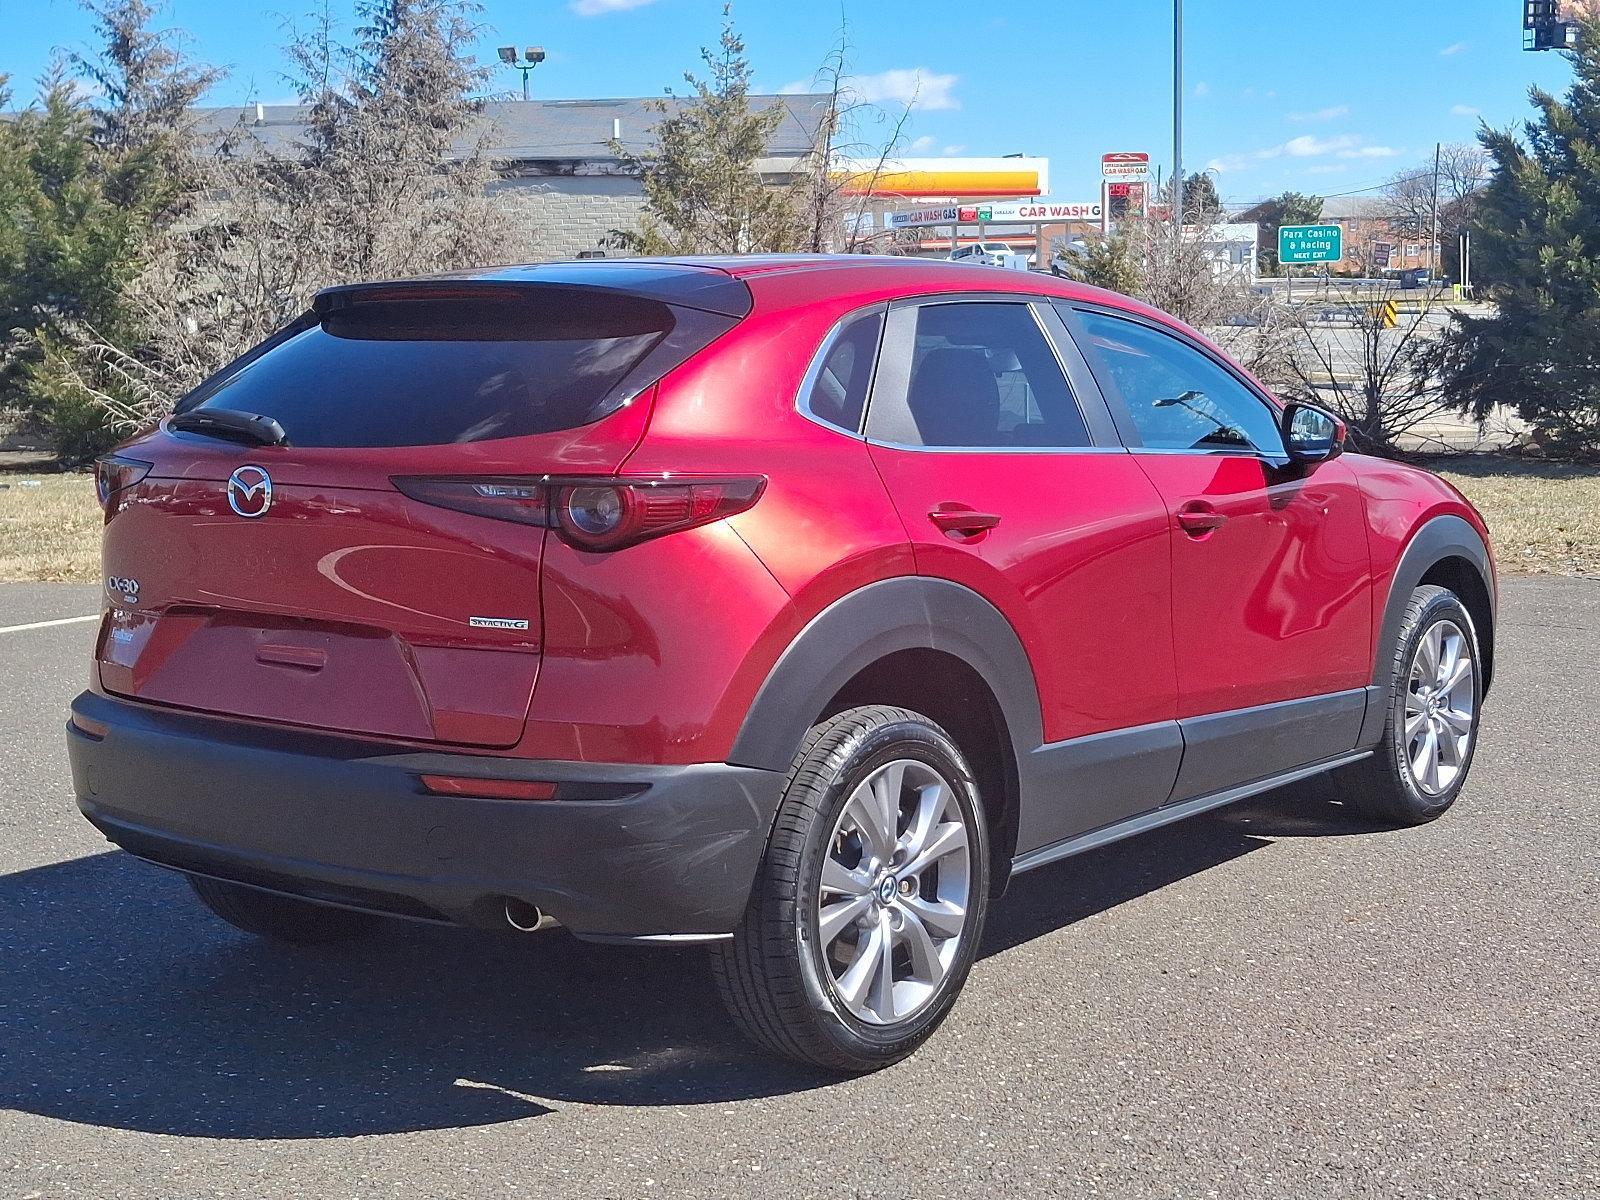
(527,918)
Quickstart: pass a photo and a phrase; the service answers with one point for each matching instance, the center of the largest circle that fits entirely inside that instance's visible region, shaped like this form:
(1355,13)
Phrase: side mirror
(1311,434)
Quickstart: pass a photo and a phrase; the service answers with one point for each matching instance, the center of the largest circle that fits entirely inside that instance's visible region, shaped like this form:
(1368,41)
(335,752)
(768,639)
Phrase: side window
(983,375)
(838,386)
(1178,397)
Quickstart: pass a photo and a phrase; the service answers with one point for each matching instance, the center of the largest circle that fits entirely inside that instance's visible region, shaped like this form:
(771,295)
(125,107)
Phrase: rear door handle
(959,519)
(1197,519)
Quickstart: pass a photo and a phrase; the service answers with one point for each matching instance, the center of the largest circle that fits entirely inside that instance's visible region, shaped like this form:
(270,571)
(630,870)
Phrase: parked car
(988,254)
(790,605)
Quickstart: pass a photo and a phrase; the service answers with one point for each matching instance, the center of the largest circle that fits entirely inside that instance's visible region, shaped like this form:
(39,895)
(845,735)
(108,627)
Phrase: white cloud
(922,144)
(1202,89)
(1371,152)
(917,86)
(950,150)
(599,8)
(1452,49)
(1327,168)
(1305,146)
(1322,114)
(1465,110)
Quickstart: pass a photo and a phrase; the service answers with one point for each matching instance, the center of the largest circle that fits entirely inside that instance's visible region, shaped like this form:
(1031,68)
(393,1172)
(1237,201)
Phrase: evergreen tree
(1537,246)
(67,248)
(394,163)
(703,194)
(1291,208)
(1200,199)
(148,86)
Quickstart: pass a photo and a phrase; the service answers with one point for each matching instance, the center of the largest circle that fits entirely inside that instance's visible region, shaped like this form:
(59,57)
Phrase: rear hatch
(262,562)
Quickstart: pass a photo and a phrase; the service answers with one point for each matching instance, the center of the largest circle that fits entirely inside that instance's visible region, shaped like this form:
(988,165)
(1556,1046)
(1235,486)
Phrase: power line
(1360,191)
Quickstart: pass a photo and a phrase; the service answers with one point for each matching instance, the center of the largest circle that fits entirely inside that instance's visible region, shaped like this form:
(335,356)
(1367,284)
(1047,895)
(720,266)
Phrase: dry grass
(51,531)
(1545,518)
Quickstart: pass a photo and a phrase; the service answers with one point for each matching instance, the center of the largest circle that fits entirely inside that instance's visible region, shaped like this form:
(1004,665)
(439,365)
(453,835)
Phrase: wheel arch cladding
(875,645)
(1449,552)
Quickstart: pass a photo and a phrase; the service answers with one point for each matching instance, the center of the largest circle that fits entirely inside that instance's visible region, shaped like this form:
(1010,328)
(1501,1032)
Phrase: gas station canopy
(952,178)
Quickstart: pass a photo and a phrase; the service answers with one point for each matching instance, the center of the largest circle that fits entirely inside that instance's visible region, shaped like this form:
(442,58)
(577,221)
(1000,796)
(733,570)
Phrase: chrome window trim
(1277,460)
(997,449)
(802,400)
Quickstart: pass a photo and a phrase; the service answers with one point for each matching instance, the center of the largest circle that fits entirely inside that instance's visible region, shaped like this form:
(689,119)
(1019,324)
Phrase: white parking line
(47,624)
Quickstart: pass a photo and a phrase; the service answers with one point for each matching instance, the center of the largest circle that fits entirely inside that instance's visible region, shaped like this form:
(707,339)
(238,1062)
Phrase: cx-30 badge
(250,491)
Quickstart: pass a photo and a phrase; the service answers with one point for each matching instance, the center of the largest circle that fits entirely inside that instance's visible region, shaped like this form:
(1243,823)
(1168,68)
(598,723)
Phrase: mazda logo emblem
(250,491)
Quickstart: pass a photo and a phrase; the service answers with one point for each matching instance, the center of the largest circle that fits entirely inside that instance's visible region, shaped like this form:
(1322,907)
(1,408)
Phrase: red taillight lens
(492,789)
(505,499)
(592,514)
(114,474)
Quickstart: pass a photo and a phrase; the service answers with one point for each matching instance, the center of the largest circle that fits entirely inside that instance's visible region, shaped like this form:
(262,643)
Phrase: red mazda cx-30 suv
(786,604)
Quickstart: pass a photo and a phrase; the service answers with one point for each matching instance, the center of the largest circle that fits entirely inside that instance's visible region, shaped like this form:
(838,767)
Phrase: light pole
(534,56)
(1177,122)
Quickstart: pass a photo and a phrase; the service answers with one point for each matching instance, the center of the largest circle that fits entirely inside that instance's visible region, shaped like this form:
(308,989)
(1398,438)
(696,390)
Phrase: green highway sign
(1310,243)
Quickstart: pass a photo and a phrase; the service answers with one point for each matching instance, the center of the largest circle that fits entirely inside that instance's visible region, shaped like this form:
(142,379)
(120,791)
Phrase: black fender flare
(905,613)
(1437,539)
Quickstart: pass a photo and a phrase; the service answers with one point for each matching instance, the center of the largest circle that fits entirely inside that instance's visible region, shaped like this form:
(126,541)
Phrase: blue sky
(1274,100)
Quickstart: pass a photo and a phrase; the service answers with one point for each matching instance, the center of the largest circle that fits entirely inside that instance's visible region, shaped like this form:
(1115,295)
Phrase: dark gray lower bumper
(626,851)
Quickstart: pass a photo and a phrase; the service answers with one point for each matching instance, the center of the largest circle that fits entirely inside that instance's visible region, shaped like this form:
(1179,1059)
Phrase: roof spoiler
(679,284)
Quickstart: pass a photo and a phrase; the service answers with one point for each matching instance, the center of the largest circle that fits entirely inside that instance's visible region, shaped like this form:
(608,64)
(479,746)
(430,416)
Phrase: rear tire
(1431,730)
(280,918)
(869,903)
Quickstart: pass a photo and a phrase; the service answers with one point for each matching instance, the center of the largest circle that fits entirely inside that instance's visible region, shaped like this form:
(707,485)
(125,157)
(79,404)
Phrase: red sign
(1125,168)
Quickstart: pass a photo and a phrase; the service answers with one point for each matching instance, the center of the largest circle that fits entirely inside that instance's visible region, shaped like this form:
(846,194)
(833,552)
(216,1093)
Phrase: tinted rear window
(422,372)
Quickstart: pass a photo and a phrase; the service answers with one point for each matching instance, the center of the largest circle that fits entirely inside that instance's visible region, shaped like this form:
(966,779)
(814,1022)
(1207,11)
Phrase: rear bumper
(624,852)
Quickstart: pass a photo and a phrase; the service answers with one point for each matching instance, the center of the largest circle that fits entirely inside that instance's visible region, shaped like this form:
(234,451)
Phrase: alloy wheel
(892,903)
(1440,709)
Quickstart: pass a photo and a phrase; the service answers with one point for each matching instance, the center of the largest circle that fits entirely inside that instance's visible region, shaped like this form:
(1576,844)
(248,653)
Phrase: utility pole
(1177,125)
(1433,247)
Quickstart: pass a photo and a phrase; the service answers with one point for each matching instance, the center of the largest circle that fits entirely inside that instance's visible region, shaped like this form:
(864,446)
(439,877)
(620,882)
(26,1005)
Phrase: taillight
(519,500)
(592,514)
(114,474)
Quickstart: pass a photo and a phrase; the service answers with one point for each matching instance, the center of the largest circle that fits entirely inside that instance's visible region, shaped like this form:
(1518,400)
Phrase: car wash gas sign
(1043,211)
(1125,168)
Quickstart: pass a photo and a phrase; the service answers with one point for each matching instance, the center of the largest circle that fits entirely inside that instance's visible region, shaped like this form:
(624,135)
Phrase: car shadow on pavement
(124,1004)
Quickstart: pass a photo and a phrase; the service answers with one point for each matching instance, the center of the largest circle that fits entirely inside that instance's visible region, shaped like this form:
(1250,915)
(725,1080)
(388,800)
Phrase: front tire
(1431,733)
(870,900)
(280,918)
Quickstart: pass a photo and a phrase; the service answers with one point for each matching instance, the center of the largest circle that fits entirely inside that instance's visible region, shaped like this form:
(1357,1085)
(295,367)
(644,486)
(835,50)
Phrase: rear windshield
(424,372)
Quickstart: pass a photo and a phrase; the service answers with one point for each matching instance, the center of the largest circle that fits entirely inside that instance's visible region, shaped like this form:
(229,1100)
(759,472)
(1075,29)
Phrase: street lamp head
(508,54)
(535,54)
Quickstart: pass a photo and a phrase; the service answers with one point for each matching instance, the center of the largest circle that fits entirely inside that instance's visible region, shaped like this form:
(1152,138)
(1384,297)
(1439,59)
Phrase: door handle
(959,519)
(1198,519)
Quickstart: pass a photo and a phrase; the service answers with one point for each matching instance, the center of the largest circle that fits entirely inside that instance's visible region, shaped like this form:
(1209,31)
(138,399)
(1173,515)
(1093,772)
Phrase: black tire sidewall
(853,761)
(1444,606)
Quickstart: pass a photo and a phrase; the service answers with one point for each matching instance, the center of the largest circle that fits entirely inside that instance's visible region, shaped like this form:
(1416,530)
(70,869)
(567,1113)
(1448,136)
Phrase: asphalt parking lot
(1271,1001)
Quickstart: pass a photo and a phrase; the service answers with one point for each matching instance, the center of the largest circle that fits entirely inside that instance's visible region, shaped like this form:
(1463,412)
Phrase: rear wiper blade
(231,423)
